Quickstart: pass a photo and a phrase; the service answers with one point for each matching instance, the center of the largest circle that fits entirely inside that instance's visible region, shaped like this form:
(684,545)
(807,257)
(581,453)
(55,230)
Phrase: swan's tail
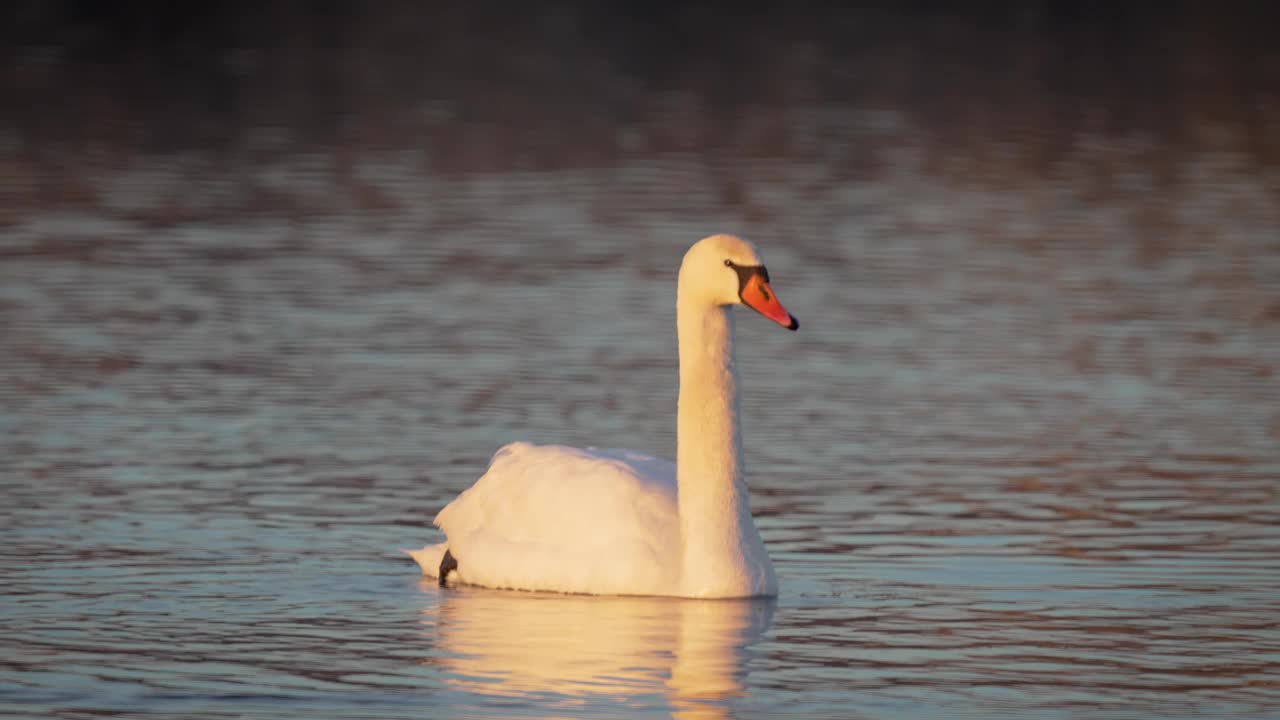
(428,558)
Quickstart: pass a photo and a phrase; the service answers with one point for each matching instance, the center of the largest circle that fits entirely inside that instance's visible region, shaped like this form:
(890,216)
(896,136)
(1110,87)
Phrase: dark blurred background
(993,91)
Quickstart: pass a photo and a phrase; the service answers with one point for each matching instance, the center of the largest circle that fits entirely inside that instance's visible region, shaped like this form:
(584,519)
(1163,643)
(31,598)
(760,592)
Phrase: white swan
(617,522)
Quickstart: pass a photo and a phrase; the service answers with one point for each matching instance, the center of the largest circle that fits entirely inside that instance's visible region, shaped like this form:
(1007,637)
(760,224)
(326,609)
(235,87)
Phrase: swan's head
(726,270)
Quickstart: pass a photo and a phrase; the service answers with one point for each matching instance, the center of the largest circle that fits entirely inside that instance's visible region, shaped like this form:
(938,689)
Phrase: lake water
(1021,460)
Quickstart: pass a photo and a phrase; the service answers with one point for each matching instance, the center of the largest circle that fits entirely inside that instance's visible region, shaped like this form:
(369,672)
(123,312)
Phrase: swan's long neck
(709,439)
(715,514)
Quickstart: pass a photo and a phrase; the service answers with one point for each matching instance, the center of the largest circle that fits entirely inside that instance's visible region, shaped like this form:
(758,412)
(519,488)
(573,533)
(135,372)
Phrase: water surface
(1029,473)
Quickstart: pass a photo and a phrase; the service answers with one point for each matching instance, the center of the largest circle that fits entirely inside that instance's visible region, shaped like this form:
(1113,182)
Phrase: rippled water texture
(1020,460)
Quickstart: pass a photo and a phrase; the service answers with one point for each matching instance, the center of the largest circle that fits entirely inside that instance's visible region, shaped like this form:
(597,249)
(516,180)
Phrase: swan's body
(618,522)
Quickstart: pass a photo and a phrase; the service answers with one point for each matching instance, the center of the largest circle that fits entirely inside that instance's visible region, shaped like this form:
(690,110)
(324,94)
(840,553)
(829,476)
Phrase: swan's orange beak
(758,296)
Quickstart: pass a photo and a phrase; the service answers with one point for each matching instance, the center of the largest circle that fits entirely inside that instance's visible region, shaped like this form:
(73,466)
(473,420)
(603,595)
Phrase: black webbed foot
(447,563)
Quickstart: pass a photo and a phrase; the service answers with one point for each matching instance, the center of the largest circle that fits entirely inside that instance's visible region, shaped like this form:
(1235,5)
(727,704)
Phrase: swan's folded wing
(558,518)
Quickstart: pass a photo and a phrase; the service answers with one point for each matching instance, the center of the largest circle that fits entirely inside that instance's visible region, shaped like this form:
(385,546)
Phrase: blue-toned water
(1021,460)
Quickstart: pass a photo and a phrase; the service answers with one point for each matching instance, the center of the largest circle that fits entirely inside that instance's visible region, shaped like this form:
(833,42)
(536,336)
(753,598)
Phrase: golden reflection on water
(575,647)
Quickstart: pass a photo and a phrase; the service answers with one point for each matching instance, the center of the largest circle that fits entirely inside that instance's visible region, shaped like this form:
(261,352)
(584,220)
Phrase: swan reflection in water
(571,649)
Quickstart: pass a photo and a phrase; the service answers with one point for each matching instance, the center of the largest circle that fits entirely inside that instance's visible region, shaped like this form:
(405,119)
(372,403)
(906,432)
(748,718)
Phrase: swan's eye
(728,263)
